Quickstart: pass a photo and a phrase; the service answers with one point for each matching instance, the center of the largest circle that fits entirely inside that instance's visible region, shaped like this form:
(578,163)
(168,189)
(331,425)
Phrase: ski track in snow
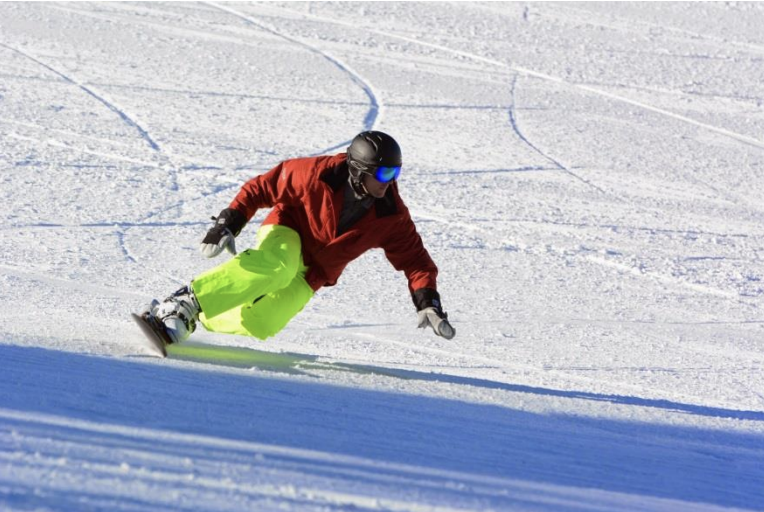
(373,117)
(90,91)
(121,233)
(121,113)
(628,24)
(516,128)
(564,255)
(607,353)
(554,79)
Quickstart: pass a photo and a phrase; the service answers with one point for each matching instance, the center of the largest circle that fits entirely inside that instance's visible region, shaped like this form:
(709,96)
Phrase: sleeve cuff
(426,298)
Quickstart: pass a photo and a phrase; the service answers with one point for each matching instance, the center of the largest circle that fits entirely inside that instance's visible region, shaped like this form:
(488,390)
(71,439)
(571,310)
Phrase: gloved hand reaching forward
(439,324)
(222,235)
(431,314)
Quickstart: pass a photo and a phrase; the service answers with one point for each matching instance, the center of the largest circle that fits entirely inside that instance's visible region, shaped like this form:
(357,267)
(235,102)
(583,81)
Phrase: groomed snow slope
(588,178)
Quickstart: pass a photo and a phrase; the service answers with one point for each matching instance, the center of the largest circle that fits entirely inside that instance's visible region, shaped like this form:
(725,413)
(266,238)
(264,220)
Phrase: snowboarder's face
(374,187)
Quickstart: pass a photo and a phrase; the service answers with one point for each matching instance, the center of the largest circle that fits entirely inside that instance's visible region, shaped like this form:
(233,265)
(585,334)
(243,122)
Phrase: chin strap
(359,188)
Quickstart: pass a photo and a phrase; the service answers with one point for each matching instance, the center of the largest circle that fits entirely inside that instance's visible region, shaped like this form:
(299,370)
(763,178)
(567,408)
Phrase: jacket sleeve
(265,191)
(406,252)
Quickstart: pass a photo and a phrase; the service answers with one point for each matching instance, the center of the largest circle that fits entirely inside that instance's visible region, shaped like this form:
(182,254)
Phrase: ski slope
(588,178)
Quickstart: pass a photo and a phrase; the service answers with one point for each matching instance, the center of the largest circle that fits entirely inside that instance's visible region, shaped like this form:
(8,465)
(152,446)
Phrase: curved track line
(745,139)
(516,129)
(120,233)
(92,93)
(375,112)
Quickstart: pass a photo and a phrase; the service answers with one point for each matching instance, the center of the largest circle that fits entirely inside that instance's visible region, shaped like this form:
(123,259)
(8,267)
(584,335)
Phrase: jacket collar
(337,177)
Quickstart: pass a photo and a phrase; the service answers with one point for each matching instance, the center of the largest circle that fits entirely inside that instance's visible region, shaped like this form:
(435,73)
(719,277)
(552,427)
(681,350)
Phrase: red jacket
(307,195)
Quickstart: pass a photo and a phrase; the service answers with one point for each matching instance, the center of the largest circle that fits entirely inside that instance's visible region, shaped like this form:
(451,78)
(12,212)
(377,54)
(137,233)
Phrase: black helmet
(373,149)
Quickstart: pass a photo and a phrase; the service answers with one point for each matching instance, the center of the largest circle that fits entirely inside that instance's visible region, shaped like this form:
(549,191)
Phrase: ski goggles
(385,174)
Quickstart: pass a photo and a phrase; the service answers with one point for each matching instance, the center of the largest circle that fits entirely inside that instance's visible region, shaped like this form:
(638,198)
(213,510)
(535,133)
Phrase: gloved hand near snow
(431,313)
(222,235)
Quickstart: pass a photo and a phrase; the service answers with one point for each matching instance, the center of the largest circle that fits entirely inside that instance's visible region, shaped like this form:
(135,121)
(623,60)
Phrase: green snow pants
(257,292)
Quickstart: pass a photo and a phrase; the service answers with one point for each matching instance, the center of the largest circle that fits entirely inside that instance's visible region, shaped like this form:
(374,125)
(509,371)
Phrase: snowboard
(155,337)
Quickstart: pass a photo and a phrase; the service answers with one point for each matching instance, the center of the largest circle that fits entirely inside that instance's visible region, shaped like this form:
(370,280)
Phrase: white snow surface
(588,178)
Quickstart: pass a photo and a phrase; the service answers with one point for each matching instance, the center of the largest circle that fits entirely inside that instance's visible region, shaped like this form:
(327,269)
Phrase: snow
(588,178)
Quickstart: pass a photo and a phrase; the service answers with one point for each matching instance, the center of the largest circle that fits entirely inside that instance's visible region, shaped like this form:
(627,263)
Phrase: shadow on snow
(440,435)
(292,363)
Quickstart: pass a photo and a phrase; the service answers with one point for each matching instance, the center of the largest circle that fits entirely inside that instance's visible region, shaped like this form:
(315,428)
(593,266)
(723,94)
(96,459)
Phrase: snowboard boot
(178,314)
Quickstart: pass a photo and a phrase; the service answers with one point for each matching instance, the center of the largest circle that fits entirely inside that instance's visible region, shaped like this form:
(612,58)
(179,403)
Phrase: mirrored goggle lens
(387,174)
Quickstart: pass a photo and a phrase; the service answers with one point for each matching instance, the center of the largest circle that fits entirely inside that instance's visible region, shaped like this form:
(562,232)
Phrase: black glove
(427,302)
(221,236)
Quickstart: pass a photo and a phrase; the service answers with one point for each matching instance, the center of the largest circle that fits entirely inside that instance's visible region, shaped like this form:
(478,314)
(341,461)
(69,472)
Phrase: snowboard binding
(169,322)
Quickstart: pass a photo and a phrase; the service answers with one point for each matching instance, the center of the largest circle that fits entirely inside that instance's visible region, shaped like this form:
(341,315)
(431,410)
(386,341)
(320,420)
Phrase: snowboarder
(326,212)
